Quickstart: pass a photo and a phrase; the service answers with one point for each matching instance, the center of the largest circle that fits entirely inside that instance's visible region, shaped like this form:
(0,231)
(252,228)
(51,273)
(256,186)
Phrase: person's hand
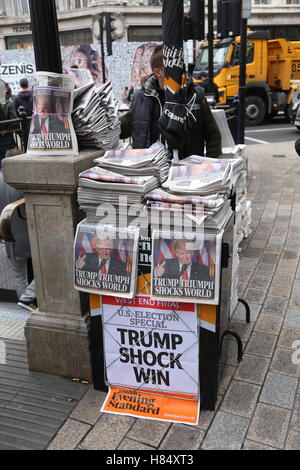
(160,270)
(2,133)
(80,263)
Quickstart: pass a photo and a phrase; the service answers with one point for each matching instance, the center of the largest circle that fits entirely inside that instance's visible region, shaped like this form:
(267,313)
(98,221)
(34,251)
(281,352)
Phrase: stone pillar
(56,335)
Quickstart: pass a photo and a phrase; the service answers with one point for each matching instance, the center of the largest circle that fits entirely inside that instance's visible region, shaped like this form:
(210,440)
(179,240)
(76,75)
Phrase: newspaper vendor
(147,106)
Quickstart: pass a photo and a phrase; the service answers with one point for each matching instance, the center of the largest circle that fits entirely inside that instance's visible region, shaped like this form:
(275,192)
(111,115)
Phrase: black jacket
(146,109)
(55,125)
(213,88)
(24,98)
(199,272)
(116,267)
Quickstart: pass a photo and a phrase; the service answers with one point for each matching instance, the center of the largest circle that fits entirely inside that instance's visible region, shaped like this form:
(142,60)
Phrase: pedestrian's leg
(29,294)
(28,299)
(20,271)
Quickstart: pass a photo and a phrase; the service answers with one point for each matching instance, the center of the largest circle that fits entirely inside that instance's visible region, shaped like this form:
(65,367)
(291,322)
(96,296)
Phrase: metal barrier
(19,129)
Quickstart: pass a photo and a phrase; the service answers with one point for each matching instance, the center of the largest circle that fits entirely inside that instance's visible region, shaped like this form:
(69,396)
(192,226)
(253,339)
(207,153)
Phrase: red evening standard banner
(151,345)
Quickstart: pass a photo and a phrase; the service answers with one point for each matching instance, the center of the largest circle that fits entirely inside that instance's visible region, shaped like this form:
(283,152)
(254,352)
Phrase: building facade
(139,20)
(280,17)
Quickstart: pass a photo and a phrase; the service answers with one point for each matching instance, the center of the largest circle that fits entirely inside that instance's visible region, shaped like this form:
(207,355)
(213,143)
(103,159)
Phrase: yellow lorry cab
(272,72)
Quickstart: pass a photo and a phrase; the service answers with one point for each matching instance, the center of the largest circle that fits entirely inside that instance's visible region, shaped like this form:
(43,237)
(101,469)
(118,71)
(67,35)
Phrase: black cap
(203,74)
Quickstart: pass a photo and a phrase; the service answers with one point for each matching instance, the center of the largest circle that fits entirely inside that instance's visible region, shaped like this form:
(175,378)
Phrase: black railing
(19,129)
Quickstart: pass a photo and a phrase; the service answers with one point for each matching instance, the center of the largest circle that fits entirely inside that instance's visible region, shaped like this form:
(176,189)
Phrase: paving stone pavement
(258,404)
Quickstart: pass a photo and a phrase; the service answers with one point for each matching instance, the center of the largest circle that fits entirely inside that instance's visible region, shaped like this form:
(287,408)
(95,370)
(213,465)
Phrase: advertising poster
(151,347)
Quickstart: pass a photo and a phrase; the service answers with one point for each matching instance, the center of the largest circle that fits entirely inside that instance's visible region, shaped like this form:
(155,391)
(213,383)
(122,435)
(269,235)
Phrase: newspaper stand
(213,351)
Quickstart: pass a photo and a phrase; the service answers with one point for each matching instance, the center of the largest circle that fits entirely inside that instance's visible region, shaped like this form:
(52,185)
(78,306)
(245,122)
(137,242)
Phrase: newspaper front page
(51,130)
(105,260)
(196,175)
(186,269)
(82,79)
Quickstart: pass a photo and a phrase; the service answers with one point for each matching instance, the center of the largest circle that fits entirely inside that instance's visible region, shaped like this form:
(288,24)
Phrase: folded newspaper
(100,189)
(222,123)
(198,187)
(83,79)
(186,269)
(235,151)
(105,260)
(194,208)
(121,178)
(202,175)
(95,118)
(213,201)
(152,161)
(51,129)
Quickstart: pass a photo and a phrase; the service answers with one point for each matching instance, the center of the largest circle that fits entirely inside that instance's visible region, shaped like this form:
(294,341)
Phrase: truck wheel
(255,110)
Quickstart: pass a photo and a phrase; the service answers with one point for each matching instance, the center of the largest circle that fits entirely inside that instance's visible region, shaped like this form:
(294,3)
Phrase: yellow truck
(272,70)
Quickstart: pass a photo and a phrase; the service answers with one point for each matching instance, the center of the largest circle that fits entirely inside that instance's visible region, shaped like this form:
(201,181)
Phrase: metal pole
(45,36)
(210,39)
(242,83)
(102,47)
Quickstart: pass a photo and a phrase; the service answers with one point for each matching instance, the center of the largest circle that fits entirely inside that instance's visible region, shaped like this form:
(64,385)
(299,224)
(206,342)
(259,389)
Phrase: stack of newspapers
(243,205)
(153,161)
(202,175)
(242,225)
(202,186)
(211,209)
(95,117)
(234,274)
(121,179)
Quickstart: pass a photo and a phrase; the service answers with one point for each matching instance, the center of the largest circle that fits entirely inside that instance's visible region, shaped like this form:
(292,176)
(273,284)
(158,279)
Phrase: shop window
(2,8)
(235,58)
(292,2)
(81,4)
(19,42)
(73,38)
(144,33)
(249,53)
(21,7)
(155,3)
(63,5)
